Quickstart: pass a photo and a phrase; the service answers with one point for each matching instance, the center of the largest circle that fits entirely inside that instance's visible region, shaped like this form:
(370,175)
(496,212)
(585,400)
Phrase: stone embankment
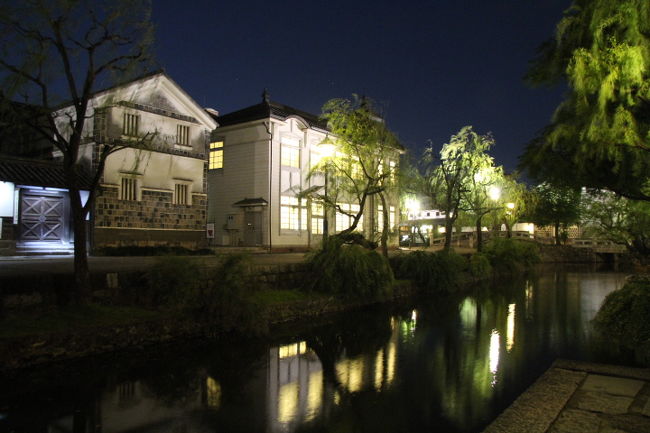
(581,397)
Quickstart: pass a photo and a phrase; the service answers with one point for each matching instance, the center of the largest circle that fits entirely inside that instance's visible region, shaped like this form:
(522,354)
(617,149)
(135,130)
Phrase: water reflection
(449,365)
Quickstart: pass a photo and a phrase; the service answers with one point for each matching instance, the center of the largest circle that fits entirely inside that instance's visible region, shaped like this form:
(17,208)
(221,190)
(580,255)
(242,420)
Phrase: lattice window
(131,125)
(183,135)
(181,194)
(128,188)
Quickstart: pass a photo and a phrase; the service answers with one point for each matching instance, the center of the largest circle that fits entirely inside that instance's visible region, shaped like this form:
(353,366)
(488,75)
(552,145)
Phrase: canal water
(447,365)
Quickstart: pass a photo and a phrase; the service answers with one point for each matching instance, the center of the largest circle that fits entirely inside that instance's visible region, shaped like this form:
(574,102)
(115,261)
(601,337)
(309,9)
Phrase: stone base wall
(152,220)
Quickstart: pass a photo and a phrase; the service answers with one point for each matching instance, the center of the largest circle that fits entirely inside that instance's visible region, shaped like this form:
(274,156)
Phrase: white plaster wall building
(154,193)
(260,158)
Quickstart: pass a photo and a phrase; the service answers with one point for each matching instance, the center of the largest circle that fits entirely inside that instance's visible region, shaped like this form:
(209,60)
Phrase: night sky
(435,65)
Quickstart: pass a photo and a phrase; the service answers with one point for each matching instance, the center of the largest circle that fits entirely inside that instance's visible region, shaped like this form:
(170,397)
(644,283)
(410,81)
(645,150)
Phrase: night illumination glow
(495,346)
(494,192)
(510,327)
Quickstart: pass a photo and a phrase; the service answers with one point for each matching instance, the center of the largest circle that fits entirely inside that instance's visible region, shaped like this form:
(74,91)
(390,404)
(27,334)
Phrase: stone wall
(152,220)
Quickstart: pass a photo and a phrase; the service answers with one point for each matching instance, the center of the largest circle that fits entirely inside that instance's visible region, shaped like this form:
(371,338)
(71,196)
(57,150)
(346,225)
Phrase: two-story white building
(153,193)
(259,161)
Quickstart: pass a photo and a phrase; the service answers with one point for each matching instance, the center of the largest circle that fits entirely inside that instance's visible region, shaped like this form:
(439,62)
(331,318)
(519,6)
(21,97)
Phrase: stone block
(572,421)
(601,402)
(612,385)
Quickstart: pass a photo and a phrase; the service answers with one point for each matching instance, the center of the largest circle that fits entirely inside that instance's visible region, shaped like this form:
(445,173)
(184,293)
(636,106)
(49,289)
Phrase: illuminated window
(183,135)
(292,350)
(391,217)
(216,155)
(181,194)
(213,397)
(293,213)
(344,221)
(128,189)
(380,218)
(131,125)
(290,156)
(317,218)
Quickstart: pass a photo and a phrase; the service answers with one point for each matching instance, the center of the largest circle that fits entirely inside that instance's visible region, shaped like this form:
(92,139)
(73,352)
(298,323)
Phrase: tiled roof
(36,173)
(266,110)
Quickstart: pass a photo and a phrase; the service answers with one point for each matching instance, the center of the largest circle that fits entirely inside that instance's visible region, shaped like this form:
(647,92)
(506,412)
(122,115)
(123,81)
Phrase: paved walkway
(577,397)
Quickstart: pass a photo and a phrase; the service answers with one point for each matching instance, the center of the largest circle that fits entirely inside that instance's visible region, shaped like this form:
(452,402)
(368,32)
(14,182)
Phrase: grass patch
(71,319)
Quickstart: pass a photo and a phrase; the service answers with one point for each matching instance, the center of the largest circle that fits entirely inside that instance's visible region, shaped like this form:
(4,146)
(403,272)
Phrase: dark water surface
(447,365)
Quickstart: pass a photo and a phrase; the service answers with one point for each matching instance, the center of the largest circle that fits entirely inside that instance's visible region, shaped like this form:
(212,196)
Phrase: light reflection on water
(447,366)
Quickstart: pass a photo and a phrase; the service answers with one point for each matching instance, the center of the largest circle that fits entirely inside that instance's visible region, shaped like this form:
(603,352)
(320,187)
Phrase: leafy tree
(600,133)
(608,216)
(557,206)
(361,166)
(513,202)
(459,177)
(60,51)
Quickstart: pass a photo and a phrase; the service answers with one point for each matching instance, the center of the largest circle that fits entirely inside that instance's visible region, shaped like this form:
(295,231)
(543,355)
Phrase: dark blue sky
(435,65)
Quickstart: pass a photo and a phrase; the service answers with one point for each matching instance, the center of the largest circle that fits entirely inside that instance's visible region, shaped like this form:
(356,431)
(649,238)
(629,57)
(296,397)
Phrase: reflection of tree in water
(355,335)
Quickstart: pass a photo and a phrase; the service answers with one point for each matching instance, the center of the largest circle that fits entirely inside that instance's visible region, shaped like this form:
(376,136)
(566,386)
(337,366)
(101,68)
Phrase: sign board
(209,230)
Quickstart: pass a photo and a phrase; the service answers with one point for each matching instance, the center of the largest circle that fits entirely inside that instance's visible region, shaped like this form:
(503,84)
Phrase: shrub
(431,271)
(623,317)
(511,255)
(223,298)
(170,280)
(348,270)
(479,265)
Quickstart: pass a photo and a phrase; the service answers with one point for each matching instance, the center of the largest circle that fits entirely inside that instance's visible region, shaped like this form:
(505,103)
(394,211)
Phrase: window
(131,125)
(290,156)
(391,217)
(183,135)
(293,213)
(181,194)
(380,218)
(128,189)
(344,221)
(216,155)
(317,218)
(290,152)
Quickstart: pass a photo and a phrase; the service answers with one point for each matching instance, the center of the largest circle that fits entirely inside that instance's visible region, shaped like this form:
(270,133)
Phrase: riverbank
(581,397)
(92,330)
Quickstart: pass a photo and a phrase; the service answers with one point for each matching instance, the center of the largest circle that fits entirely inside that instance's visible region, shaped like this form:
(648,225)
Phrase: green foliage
(434,272)
(623,317)
(599,133)
(511,255)
(479,265)
(608,216)
(349,271)
(223,298)
(169,281)
(555,205)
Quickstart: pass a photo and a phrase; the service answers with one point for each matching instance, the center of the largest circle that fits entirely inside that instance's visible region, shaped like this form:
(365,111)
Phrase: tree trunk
(508,230)
(479,235)
(557,233)
(449,229)
(81,270)
(386,226)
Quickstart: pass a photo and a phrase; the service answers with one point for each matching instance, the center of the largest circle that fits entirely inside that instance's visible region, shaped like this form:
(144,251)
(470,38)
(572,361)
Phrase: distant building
(259,159)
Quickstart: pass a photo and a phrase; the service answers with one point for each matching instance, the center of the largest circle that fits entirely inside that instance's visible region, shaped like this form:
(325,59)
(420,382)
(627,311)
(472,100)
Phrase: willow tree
(363,164)
(59,53)
(452,178)
(600,133)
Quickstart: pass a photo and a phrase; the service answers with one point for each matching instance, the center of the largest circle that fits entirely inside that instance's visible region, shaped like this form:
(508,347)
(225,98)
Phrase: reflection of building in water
(131,406)
(295,386)
(374,369)
(298,391)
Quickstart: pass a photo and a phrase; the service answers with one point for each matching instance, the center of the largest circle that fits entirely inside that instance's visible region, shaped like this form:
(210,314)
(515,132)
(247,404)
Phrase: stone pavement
(578,397)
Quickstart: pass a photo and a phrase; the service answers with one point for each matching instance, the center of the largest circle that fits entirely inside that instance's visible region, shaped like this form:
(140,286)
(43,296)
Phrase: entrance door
(252,229)
(42,217)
